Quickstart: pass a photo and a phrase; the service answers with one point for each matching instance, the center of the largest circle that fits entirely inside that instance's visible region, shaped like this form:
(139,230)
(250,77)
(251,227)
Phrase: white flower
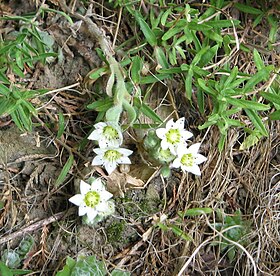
(111,157)
(173,135)
(189,159)
(93,199)
(107,134)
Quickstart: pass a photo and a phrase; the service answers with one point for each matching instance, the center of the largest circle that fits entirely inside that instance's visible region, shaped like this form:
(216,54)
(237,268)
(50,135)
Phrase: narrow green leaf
(196,212)
(247,9)
(209,90)
(275,115)
(147,111)
(208,56)
(136,67)
(223,23)
(274,98)
(101,105)
(96,74)
(231,77)
(180,233)
(221,143)
(250,140)
(213,36)
(199,55)
(257,121)
(65,170)
(130,112)
(188,84)
(4,90)
(171,32)
(195,26)
(247,104)
(148,33)
(5,271)
(161,58)
(258,60)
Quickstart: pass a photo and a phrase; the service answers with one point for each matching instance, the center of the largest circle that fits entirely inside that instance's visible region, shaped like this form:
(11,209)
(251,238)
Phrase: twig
(37,225)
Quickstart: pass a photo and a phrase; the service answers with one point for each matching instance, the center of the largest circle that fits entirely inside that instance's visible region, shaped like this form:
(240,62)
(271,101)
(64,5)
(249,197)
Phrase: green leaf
(101,105)
(257,121)
(113,114)
(65,170)
(213,36)
(199,55)
(195,26)
(271,97)
(25,246)
(208,89)
(196,212)
(136,67)
(180,233)
(171,32)
(258,60)
(147,111)
(148,33)
(96,74)
(223,23)
(247,9)
(208,56)
(275,115)
(250,140)
(5,271)
(231,77)
(4,90)
(257,78)
(161,58)
(188,84)
(130,112)
(66,271)
(247,104)
(221,143)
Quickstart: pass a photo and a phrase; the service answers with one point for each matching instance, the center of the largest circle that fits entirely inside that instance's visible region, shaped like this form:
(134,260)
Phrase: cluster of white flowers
(173,147)
(109,153)
(93,201)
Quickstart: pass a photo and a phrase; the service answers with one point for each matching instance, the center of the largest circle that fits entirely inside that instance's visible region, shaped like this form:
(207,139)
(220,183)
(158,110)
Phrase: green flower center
(112,155)
(92,198)
(173,136)
(110,133)
(187,160)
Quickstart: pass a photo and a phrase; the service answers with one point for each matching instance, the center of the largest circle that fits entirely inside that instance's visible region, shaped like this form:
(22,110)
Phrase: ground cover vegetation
(139,137)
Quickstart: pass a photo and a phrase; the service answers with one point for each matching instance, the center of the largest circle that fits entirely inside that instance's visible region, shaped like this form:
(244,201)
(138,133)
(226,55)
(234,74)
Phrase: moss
(115,231)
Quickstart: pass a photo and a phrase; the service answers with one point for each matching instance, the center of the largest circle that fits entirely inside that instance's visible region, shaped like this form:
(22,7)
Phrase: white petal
(83,210)
(84,187)
(125,152)
(95,135)
(91,214)
(97,185)
(100,125)
(181,149)
(99,151)
(164,144)
(160,132)
(102,206)
(170,124)
(105,195)
(194,169)
(172,149)
(194,148)
(176,163)
(77,199)
(110,167)
(97,160)
(199,158)
(103,143)
(186,134)
(124,160)
(180,123)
